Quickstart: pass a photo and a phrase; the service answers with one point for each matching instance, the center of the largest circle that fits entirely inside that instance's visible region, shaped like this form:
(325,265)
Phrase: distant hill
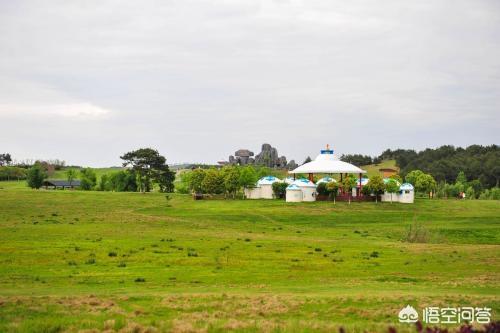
(374,169)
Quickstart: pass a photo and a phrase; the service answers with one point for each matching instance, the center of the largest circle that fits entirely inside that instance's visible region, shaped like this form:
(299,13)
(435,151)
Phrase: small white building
(387,196)
(406,193)
(308,189)
(293,193)
(252,193)
(266,186)
(263,189)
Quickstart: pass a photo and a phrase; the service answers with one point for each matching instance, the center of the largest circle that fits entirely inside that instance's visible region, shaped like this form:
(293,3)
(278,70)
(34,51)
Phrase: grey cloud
(198,79)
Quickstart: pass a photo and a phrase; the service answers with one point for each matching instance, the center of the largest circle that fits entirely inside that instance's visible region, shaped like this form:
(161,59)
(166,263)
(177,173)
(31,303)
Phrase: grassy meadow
(75,260)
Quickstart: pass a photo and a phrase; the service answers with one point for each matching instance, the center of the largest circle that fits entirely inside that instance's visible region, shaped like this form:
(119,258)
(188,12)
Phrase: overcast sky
(86,81)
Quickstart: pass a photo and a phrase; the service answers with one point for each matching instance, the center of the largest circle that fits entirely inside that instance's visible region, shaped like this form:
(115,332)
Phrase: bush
(279,189)
(321,189)
(416,233)
(10,173)
(88,179)
(213,183)
(36,176)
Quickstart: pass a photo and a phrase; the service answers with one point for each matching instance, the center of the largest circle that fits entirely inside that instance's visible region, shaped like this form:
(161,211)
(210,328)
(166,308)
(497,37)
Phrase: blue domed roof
(406,187)
(268,180)
(326,180)
(302,182)
(292,187)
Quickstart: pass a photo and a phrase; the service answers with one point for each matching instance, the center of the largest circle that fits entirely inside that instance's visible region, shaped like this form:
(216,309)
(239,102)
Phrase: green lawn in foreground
(72,260)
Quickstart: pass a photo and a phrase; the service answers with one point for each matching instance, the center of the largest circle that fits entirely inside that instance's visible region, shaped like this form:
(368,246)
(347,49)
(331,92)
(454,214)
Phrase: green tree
(425,183)
(36,175)
(70,175)
(149,166)
(333,190)
(213,183)
(412,176)
(377,186)
(103,183)
(248,177)
(307,160)
(391,187)
(165,178)
(321,189)
(88,179)
(347,185)
(196,180)
(461,178)
(396,178)
(279,189)
(470,194)
(232,180)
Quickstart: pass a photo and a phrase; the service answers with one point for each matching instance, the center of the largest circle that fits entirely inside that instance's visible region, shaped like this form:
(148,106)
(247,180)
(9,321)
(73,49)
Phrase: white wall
(293,195)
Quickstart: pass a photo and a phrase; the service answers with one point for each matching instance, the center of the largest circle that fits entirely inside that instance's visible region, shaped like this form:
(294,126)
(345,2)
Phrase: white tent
(293,193)
(266,186)
(327,163)
(308,189)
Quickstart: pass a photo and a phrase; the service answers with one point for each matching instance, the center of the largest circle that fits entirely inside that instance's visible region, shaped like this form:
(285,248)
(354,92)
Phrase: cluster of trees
(421,181)
(358,159)
(145,169)
(480,163)
(12,173)
(229,180)
(462,188)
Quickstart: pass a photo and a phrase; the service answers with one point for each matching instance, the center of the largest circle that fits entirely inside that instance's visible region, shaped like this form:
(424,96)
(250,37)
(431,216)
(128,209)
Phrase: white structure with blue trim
(326,180)
(293,193)
(308,189)
(263,189)
(406,193)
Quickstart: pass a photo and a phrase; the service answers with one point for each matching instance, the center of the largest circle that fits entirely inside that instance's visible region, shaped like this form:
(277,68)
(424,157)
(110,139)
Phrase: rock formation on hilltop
(267,157)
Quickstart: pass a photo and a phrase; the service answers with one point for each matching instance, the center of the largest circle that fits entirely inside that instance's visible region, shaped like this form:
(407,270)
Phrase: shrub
(112,254)
(279,189)
(416,233)
(213,182)
(36,175)
(321,189)
(140,279)
(88,179)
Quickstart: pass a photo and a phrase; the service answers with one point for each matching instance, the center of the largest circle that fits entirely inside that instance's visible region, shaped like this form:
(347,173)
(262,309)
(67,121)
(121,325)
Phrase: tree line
(481,163)
(144,168)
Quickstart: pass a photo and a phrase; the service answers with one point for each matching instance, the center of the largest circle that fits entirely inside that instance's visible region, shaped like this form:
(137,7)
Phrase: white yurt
(326,180)
(289,180)
(266,186)
(387,196)
(407,193)
(252,193)
(293,193)
(308,189)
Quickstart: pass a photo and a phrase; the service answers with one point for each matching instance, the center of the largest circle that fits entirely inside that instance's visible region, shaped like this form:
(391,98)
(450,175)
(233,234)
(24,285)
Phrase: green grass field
(74,260)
